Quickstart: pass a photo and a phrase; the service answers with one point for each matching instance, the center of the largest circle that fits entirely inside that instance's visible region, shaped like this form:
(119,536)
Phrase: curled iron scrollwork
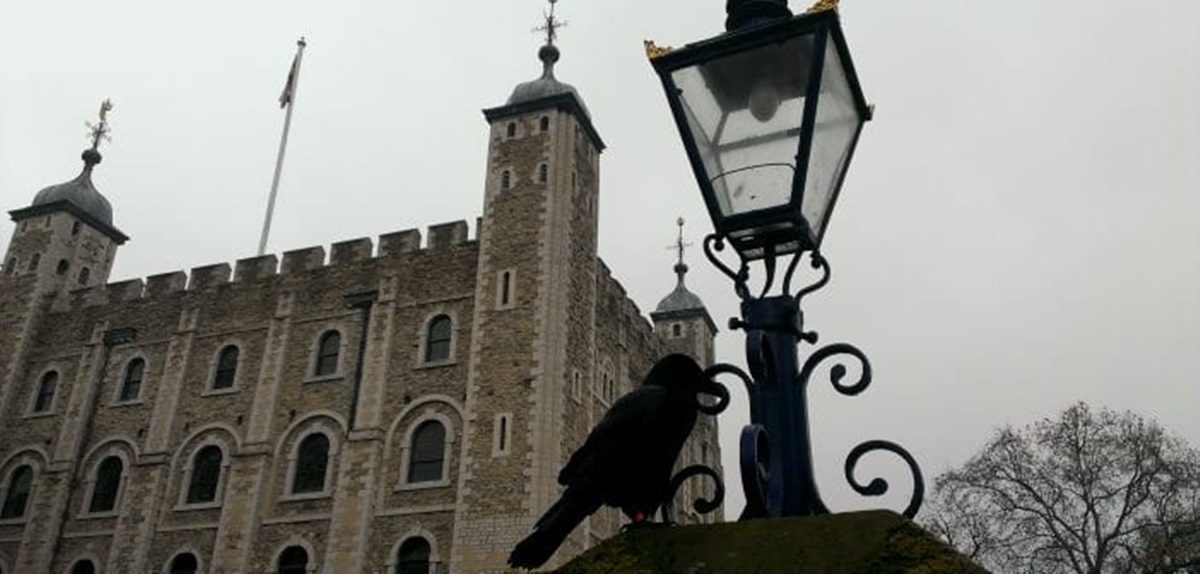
(701,505)
(716,389)
(879,486)
(755,449)
(838,372)
(715,242)
(818,262)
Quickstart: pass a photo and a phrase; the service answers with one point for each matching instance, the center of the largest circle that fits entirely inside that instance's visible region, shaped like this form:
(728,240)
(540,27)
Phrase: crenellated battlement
(404,243)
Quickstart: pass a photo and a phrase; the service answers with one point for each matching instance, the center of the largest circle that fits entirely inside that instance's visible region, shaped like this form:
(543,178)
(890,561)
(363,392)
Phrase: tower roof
(80,192)
(681,302)
(547,85)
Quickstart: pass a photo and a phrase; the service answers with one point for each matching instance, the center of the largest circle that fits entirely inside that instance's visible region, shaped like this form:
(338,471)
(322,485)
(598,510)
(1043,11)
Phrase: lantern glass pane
(744,112)
(834,132)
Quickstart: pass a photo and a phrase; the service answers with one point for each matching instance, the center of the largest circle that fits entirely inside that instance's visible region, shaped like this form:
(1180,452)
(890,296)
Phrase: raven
(626,461)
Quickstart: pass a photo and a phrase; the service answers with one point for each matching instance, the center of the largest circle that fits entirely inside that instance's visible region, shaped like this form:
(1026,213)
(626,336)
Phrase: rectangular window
(502,434)
(506,289)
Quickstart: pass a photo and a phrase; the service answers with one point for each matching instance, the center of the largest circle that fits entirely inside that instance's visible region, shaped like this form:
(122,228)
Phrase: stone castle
(393,406)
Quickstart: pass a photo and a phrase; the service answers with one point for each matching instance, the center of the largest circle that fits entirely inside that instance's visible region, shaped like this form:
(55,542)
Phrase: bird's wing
(623,427)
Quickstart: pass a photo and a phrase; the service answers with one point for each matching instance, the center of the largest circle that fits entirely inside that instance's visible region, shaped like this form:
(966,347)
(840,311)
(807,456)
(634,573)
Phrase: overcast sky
(1018,230)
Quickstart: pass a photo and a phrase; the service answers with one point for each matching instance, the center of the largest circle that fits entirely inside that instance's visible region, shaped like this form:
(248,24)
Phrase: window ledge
(324,378)
(435,364)
(98,515)
(129,403)
(40,414)
(16,520)
(297,497)
(186,506)
(211,392)
(423,485)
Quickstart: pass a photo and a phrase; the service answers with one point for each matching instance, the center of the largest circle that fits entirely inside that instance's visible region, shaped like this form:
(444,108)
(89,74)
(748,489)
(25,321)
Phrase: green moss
(856,542)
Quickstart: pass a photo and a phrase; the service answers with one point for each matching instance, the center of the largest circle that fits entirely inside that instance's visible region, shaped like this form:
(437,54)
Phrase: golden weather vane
(552,24)
(823,5)
(100,131)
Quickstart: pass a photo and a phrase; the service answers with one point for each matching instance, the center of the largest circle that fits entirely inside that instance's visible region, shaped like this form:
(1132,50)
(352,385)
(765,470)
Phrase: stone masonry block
(399,242)
(253,268)
(351,250)
(165,283)
(303,259)
(209,276)
(447,234)
(125,290)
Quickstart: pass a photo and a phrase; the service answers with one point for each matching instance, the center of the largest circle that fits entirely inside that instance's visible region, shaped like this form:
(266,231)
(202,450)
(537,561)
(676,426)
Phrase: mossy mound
(874,542)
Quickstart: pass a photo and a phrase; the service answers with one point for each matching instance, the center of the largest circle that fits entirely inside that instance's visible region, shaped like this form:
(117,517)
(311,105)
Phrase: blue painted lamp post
(770,113)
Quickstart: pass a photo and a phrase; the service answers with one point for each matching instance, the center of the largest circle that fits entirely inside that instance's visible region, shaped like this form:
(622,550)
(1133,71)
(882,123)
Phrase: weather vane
(680,246)
(100,131)
(552,24)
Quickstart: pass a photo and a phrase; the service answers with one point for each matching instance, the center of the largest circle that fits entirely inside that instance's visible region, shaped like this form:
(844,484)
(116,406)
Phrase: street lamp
(770,113)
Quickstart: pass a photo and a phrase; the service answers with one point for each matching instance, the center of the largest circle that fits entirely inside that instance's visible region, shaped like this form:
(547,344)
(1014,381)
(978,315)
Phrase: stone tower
(64,240)
(533,333)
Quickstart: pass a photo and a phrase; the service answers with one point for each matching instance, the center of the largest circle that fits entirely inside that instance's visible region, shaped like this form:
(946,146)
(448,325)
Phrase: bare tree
(1086,492)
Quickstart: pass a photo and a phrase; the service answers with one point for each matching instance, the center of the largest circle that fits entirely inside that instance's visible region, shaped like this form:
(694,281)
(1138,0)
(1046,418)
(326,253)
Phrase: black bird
(627,459)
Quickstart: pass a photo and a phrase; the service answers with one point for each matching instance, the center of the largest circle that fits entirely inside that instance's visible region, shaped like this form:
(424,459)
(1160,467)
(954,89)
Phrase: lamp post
(770,113)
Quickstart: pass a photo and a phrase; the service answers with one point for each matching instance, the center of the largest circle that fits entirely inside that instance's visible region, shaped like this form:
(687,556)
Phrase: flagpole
(290,92)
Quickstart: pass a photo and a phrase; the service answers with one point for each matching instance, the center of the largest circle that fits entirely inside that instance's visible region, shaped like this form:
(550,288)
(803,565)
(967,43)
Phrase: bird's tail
(551,529)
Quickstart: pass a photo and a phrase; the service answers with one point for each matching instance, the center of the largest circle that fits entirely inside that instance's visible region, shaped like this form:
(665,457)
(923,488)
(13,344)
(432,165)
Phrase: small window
(511,130)
(677,330)
(131,385)
(543,173)
(413,557)
(544,124)
(577,386)
(45,393)
(293,560)
(18,493)
(504,289)
(428,452)
(63,266)
(502,435)
(11,267)
(107,485)
(227,364)
(327,353)
(185,563)
(505,179)
(75,227)
(437,341)
(84,275)
(703,453)
(33,262)
(83,567)
(206,475)
(312,462)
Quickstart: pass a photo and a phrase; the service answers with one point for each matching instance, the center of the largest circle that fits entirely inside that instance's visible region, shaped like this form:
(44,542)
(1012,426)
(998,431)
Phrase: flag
(286,97)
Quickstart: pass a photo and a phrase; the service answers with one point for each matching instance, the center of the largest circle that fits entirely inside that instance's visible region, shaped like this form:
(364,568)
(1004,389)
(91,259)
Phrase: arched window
(544,123)
(437,339)
(33,262)
(505,179)
(428,453)
(677,329)
(18,492)
(108,483)
(327,353)
(11,267)
(312,461)
(131,385)
(413,557)
(84,275)
(206,474)
(75,227)
(543,173)
(184,564)
(293,560)
(45,393)
(83,567)
(63,266)
(227,364)
(510,130)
